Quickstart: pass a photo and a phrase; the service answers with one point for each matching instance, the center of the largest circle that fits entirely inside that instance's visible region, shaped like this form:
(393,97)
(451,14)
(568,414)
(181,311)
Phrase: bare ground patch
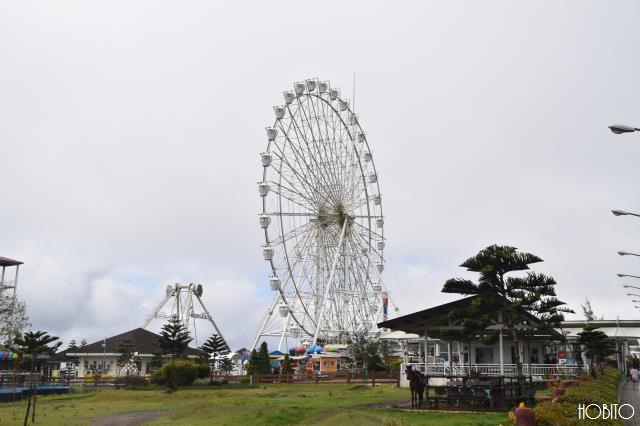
(131,418)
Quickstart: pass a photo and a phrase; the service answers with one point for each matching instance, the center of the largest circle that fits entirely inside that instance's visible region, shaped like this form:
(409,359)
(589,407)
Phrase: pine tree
(287,368)
(226,365)
(253,366)
(502,299)
(597,345)
(34,343)
(174,339)
(264,362)
(215,347)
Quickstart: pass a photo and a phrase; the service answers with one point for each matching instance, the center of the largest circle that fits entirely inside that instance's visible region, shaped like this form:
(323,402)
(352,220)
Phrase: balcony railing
(7,284)
(445,369)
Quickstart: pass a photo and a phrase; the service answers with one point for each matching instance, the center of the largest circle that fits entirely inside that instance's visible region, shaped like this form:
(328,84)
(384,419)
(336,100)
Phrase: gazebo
(445,352)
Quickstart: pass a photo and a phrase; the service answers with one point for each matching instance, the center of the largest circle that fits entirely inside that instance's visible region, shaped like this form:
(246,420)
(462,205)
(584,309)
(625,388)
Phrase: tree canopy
(259,361)
(174,338)
(501,300)
(215,347)
(13,319)
(597,345)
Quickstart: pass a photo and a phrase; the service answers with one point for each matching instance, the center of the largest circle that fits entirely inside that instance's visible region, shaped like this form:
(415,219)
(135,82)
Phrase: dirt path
(128,419)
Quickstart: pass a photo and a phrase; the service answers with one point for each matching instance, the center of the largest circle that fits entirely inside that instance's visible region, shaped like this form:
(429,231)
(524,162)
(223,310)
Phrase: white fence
(445,369)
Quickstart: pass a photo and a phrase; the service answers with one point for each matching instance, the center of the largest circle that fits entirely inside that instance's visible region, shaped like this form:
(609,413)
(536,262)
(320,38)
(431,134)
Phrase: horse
(417,383)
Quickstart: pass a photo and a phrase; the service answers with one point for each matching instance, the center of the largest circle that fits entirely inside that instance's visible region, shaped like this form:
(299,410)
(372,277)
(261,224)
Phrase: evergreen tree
(287,368)
(259,361)
(264,360)
(587,310)
(253,366)
(597,345)
(174,339)
(501,299)
(215,347)
(83,343)
(72,346)
(156,361)
(226,365)
(33,344)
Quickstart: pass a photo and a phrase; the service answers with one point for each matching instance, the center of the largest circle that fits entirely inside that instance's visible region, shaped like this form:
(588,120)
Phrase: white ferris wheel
(322,221)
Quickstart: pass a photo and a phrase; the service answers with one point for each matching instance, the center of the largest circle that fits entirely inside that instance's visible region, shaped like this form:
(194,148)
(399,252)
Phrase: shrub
(603,390)
(203,370)
(130,381)
(183,372)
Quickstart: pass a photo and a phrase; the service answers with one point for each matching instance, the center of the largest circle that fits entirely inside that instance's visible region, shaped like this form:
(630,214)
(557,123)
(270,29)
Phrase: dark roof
(143,341)
(435,320)
(5,261)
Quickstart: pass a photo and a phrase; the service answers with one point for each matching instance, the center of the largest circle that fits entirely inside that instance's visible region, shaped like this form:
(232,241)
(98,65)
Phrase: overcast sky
(131,132)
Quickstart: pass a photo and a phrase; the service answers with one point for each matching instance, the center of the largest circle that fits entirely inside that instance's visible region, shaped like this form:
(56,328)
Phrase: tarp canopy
(399,335)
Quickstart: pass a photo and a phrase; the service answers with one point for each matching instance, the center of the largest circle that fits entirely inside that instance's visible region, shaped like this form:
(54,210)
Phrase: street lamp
(633,294)
(623,213)
(625,275)
(622,128)
(626,253)
(631,286)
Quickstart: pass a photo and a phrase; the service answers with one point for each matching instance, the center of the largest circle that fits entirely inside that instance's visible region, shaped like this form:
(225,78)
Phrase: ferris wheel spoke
(301,177)
(299,136)
(293,233)
(292,214)
(298,167)
(327,160)
(293,196)
(322,179)
(367,233)
(292,282)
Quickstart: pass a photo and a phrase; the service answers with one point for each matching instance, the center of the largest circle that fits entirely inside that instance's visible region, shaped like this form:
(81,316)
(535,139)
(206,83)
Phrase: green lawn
(265,405)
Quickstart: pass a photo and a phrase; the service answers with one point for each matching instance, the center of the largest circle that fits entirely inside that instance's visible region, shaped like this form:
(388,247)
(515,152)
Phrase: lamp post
(633,294)
(623,213)
(622,128)
(626,253)
(631,286)
(627,275)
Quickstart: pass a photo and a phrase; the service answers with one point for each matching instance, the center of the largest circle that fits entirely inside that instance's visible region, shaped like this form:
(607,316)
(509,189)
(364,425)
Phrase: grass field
(263,405)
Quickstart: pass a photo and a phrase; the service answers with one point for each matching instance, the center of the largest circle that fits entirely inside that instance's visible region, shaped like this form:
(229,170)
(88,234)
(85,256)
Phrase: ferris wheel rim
(312,208)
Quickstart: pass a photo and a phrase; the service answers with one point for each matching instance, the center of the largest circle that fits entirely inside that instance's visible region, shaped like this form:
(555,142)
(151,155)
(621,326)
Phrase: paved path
(629,396)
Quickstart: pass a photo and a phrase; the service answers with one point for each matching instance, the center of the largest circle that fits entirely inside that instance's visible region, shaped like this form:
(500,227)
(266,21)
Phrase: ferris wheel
(322,220)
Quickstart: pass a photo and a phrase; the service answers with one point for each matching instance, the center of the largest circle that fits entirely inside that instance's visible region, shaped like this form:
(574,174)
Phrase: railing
(7,284)
(344,377)
(445,369)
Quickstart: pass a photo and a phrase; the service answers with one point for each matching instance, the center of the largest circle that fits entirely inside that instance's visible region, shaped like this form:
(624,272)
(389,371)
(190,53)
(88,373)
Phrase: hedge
(564,412)
(184,373)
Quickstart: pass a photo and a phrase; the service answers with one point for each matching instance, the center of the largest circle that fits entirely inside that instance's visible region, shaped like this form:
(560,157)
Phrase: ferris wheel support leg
(265,320)
(156,310)
(382,284)
(210,318)
(330,282)
(284,331)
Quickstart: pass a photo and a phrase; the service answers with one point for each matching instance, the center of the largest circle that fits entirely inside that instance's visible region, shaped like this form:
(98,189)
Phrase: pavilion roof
(435,322)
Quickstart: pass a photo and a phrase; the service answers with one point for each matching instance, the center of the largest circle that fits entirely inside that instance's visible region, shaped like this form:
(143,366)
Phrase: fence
(340,377)
(345,377)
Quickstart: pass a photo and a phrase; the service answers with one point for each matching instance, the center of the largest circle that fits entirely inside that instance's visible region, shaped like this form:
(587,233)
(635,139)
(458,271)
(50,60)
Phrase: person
(634,377)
